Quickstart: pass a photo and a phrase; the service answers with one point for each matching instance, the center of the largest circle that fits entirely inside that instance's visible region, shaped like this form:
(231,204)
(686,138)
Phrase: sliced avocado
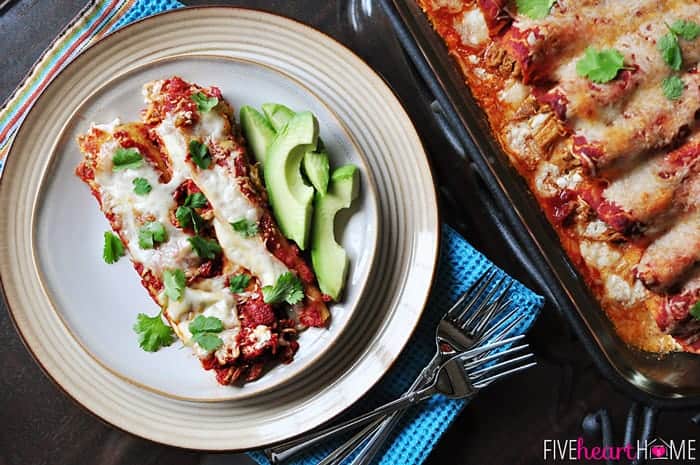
(316,167)
(277,114)
(258,131)
(290,197)
(329,259)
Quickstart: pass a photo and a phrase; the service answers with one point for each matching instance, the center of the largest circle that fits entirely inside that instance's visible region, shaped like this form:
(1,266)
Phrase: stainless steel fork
(372,437)
(459,329)
(468,361)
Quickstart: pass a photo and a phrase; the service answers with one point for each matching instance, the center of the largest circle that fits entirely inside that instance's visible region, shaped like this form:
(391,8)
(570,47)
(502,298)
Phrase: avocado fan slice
(330,261)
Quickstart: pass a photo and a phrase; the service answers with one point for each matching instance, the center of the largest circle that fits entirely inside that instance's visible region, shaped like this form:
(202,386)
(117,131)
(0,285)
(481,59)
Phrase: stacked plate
(75,313)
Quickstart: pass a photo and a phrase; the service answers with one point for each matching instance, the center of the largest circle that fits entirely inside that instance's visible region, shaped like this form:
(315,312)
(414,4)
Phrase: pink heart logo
(658,451)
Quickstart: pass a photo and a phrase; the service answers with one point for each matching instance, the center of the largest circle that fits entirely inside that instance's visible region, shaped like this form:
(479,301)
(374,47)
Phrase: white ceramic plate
(99,303)
(56,285)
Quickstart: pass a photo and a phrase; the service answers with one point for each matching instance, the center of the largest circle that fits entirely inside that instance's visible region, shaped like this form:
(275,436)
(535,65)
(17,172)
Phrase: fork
(372,437)
(469,362)
(465,323)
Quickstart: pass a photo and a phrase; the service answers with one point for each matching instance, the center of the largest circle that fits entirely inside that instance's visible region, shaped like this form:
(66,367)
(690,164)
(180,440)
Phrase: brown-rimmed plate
(38,266)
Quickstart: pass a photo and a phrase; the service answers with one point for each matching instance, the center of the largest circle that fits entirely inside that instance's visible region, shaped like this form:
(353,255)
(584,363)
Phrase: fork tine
(501,322)
(478,286)
(488,358)
(475,375)
(504,327)
(490,346)
(495,308)
(482,307)
(485,382)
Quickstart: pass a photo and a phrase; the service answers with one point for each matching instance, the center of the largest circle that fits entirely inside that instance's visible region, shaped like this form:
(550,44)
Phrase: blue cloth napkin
(459,267)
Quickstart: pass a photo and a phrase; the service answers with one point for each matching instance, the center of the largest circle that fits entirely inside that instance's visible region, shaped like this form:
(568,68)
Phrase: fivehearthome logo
(654,449)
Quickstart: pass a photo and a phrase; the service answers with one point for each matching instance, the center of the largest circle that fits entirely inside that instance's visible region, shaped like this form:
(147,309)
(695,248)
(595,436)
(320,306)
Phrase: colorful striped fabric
(97,19)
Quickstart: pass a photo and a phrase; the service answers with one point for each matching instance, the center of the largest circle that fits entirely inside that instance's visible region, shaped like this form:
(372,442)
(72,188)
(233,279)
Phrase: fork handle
(377,432)
(288,449)
(374,440)
(371,439)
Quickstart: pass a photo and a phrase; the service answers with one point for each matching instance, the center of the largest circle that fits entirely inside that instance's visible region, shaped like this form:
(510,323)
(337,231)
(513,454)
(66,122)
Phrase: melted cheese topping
(224,195)
(208,297)
(472,28)
(619,168)
(117,193)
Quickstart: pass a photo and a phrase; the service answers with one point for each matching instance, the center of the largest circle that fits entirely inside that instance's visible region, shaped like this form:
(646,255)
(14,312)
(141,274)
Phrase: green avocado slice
(290,197)
(329,259)
(257,130)
(316,164)
(277,114)
(317,167)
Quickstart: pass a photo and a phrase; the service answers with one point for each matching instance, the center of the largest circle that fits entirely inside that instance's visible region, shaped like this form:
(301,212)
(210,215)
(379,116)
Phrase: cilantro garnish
(669,46)
(685,29)
(196,200)
(152,234)
(126,158)
(113,248)
(203,102)
(208,341)
(141,186)
(200,154)
(673,87)
(206,324)
(238,283)
(600,66)
(174,281)
(535,9)
(153,333)
(204,331)
(205,248)
(187,217)
(695,311)
(671,50)
(185,214)
(288,288)
(245,227)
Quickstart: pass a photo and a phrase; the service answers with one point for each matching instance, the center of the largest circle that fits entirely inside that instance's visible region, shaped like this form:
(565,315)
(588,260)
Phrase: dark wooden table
(507,424)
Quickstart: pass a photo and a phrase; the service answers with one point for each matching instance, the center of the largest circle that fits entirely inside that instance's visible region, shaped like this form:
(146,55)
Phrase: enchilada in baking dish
(596,104)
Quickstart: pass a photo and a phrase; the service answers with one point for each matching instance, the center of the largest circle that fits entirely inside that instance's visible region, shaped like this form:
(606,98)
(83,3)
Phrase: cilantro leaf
(535,9)
(203,102)
(174,281)
(245,227)
(205,248)
(152,332)
(208,341)
(695,311)
(204,330)
(600,66)
(113,248)
(238,283)
(126,158)
(196,200)
(673,87)
(152,234)
(206,324)
(200,154)
(188,218)
(671,50)
(141,186)
(288,288)
(689,30)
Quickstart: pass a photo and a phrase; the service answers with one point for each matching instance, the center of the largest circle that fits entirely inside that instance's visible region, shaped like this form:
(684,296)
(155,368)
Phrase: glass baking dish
(670,381)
